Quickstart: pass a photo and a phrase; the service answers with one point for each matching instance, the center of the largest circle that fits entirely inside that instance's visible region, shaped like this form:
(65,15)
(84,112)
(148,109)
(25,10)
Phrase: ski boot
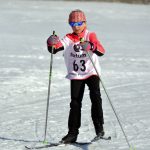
(71,137)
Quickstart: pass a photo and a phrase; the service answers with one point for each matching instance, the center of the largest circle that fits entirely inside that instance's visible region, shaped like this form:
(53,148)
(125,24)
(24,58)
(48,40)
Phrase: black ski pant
(77,91)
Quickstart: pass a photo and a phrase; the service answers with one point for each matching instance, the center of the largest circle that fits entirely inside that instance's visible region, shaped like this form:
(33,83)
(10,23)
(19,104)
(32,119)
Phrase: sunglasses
(73,24)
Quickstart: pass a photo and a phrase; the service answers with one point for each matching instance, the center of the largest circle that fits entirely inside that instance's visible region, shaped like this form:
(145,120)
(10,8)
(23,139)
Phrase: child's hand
(86,46)
(53,40)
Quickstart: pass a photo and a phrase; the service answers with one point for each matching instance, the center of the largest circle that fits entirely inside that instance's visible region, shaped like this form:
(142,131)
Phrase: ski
(57,144)
(43,146)
(74,143)
(100,137)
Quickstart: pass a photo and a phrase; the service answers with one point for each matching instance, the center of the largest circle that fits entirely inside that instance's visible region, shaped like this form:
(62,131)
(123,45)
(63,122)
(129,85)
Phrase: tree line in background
(125,1)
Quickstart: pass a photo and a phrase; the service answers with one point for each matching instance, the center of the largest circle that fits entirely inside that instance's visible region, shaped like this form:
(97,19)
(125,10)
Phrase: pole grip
(54,32)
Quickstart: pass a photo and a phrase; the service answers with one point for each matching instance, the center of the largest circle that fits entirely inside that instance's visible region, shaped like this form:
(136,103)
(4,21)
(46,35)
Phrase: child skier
(80,72)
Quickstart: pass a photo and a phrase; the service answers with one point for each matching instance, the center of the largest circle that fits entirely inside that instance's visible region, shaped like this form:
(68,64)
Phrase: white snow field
(124,31)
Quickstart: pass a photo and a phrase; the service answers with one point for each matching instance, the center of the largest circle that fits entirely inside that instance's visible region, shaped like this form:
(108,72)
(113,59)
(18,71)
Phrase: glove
(54,44)
(84,46)
(53,40)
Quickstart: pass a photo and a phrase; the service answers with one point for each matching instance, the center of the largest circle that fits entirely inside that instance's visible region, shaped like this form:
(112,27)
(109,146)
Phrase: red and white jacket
(78,63)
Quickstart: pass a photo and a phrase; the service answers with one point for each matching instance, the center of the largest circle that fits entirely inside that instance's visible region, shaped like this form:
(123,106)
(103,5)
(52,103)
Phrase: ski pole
(48,96)
(108,97)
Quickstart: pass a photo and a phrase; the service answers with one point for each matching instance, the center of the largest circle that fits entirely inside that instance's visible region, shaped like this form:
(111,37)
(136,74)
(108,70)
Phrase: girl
(80,72)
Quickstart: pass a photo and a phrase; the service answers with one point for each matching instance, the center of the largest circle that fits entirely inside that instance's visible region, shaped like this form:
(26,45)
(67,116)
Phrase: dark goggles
(73,24)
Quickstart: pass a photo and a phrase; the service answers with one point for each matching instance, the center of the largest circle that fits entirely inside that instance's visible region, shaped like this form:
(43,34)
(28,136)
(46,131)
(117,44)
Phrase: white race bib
(78,63)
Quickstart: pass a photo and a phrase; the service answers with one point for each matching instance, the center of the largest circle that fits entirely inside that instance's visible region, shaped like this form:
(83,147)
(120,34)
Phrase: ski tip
(106,138)
(27,147)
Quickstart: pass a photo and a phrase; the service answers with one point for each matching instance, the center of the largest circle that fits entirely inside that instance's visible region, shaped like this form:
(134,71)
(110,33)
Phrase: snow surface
(124,30)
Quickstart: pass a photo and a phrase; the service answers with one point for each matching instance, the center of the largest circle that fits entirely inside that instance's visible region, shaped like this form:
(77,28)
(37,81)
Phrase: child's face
(79,29)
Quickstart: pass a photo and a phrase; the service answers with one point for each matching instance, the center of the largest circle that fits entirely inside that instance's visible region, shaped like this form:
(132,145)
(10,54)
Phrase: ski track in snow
(24,68)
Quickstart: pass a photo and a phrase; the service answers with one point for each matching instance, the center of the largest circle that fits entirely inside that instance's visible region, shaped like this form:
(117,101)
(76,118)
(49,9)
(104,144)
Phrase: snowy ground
(123,29)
